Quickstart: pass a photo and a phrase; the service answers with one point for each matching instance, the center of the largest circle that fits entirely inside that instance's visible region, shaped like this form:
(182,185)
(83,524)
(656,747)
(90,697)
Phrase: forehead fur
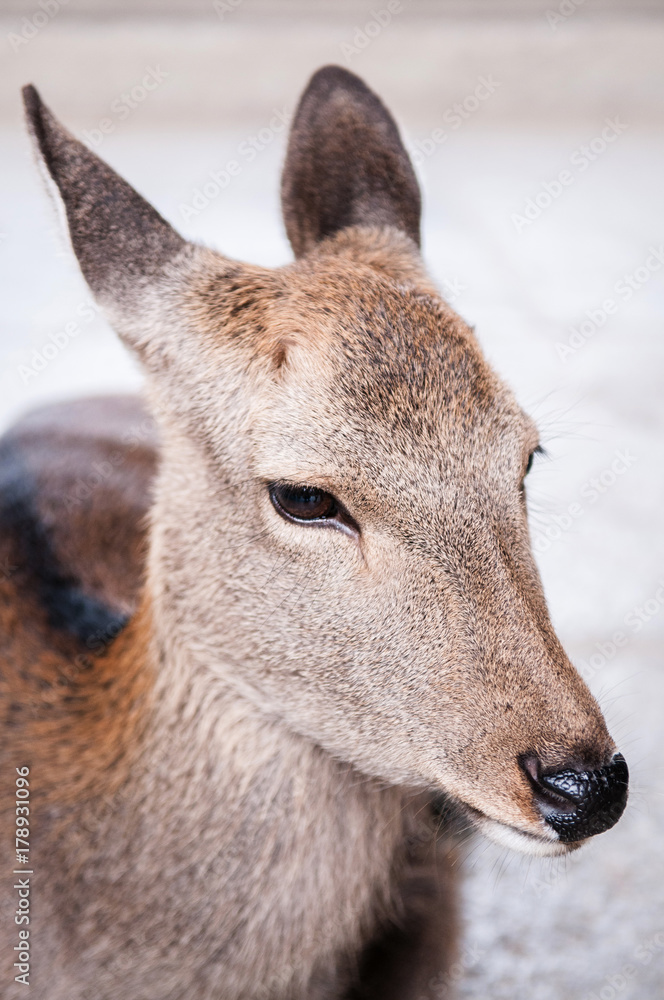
(357,341)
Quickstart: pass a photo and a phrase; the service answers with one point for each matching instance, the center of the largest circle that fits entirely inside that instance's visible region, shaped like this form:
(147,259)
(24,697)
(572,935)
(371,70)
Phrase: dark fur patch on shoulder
(67,607)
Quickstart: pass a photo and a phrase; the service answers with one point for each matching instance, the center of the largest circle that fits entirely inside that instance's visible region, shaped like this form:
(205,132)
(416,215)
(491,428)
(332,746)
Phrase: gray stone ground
(534,930)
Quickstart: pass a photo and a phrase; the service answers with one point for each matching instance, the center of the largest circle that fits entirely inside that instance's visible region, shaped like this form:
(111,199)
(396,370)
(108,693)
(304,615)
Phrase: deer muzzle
(577,804)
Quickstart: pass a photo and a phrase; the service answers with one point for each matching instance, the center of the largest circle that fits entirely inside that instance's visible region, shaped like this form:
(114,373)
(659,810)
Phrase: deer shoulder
(75,483)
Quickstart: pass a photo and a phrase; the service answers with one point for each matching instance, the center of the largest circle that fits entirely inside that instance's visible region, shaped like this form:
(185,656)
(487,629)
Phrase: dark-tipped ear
(118,238)
(346,164)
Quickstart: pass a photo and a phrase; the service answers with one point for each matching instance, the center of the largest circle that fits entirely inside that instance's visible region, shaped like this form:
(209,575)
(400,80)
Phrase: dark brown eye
(303,503)
(531,458)
(539,450)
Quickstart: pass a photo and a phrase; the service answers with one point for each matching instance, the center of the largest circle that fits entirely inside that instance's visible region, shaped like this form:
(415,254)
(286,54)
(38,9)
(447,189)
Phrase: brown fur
(85,470)
(234,799)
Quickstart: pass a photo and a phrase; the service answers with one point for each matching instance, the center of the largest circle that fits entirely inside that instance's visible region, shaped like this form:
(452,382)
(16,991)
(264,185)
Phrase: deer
(292,635)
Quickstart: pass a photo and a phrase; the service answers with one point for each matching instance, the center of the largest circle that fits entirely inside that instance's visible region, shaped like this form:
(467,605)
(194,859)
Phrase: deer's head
(340,527)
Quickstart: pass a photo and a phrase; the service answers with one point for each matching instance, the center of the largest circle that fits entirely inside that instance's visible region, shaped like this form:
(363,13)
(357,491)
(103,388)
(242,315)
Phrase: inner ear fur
(120,240)
(346,164)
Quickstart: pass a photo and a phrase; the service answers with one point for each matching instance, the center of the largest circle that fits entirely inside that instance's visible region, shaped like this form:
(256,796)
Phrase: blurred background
(536,129)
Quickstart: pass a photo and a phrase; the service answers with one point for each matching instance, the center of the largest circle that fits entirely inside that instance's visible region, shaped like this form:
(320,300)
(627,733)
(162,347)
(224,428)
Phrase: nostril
(571,786)
(554,791)
(578,804)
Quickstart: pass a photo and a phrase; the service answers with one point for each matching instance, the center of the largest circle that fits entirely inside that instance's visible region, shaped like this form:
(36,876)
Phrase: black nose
(579,804)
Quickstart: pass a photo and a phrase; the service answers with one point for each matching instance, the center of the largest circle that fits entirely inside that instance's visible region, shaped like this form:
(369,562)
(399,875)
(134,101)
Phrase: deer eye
(539,450)
(303,503)
(536,451)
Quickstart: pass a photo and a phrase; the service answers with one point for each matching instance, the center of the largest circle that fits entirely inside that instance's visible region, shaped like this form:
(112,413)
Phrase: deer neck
(262,835)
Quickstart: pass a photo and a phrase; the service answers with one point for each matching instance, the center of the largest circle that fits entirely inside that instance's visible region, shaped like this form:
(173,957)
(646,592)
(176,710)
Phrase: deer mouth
(573,804)
(462,816)
(544,845)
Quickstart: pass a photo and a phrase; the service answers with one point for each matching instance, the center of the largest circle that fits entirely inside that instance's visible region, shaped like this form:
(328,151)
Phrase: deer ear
(120,241)
(346,164)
